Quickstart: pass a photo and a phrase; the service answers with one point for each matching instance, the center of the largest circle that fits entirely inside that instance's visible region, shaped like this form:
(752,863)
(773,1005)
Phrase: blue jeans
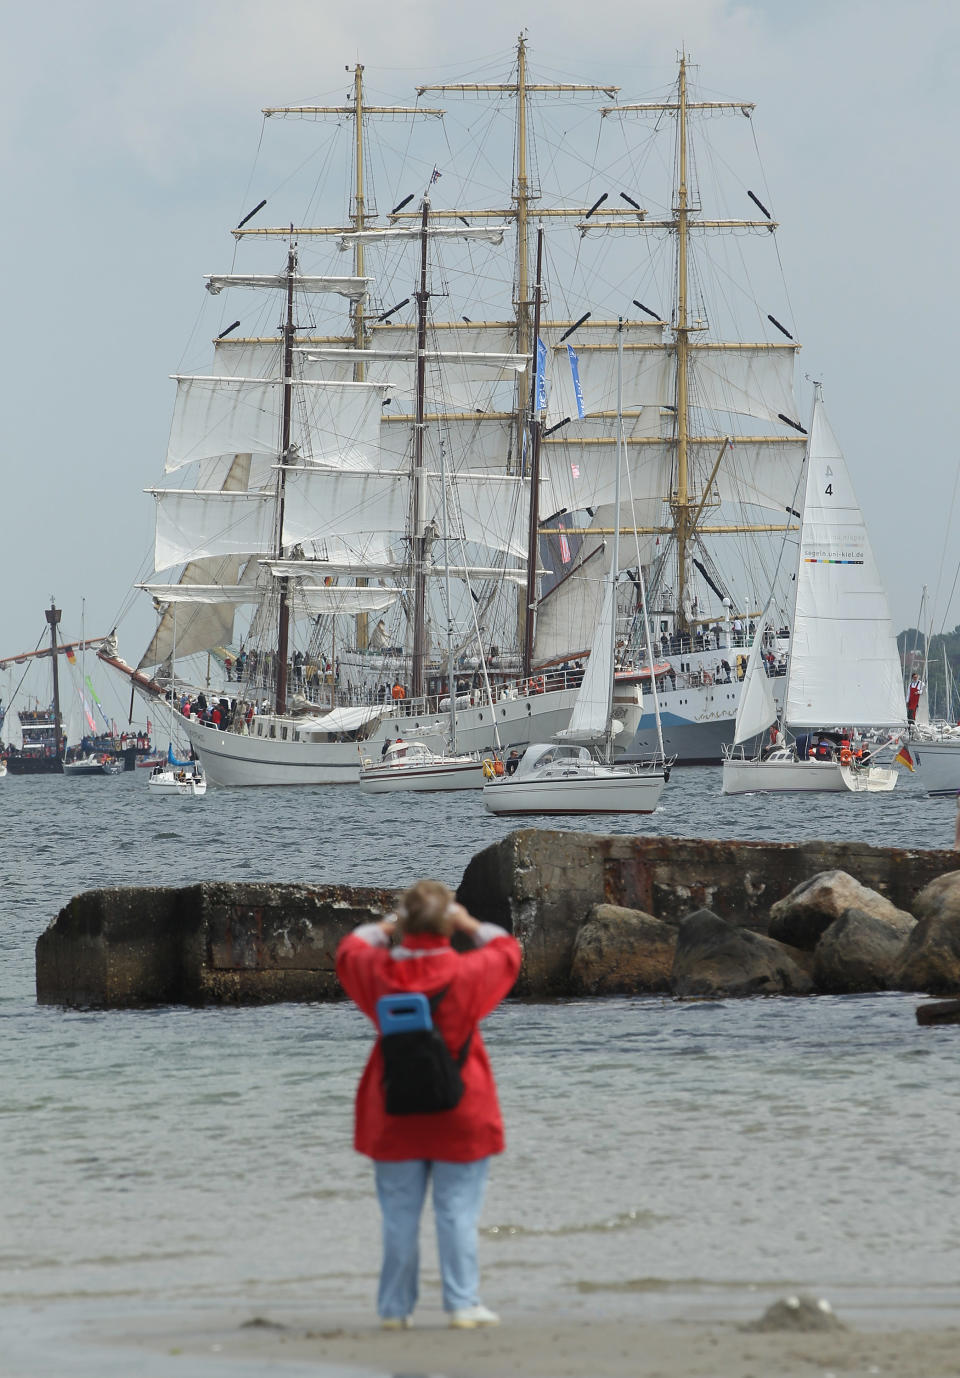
(458,1190)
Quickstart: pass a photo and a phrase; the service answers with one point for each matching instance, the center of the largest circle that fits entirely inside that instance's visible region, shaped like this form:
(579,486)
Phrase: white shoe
(396,1322)
(469,1317)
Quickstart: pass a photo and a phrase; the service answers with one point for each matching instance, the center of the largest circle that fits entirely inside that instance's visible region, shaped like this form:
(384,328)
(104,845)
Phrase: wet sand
(554,1348)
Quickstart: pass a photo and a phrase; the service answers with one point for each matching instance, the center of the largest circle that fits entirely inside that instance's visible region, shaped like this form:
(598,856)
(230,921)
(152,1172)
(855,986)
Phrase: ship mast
(686,506)
(522,198)
(418,541)
(358,111)
(52,615)
(681,503)
(283,620)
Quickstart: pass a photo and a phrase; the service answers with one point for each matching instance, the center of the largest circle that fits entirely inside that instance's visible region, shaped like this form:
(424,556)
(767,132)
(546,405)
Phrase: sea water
(664,1158)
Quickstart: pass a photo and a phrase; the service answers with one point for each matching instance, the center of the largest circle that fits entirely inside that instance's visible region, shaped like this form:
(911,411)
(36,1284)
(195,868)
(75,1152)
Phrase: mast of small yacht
(283,621)
(418,542)
(53,620)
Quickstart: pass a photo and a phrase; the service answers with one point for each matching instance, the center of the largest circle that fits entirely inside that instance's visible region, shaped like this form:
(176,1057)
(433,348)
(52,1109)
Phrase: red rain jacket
(477,981)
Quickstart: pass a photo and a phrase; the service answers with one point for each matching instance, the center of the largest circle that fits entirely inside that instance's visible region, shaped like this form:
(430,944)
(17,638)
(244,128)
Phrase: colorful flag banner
(93,695)
(540,394)
(575,372)
(904,758)
(564,547)
(71,655)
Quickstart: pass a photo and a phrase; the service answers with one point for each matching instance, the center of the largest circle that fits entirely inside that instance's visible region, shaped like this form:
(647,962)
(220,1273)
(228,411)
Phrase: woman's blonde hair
(423,908)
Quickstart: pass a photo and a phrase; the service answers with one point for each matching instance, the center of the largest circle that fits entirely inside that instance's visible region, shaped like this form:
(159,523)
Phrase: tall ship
(406,443)
(50,741)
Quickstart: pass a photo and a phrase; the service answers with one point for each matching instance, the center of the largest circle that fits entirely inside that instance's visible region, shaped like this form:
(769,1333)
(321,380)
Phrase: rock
(859,952)
(801,917)
(622,952)
(713,958)
(799,1314)
(930,961)
(940,899)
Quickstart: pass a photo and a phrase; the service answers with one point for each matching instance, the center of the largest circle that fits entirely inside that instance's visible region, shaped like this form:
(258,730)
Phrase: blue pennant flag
(540,395)
(575,371)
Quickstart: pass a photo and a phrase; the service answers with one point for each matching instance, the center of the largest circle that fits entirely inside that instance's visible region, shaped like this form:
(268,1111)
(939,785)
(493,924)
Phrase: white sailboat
(844,670)
(563,778)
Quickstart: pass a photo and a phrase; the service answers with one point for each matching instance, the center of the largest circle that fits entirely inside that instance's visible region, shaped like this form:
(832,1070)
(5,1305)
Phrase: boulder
(622,952)
(801,917)
(940,899)
(930,960)
(713,958)
(800,1314)
(859,952)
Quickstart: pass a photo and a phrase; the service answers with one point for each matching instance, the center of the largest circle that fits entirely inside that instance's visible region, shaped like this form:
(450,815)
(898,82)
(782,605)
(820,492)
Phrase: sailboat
(563,778)
(844,670)
(312,482)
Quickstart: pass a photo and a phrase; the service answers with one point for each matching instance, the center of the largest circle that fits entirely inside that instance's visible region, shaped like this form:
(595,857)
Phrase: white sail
(752,379)
(579,466)
(757,709)
(351,287)
(195,525)
(590,718)
(203,626)
(490,234)
(321,503)
(844,666)
(217,415)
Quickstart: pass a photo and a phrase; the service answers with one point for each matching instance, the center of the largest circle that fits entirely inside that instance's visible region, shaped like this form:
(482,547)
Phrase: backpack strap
(434,1000)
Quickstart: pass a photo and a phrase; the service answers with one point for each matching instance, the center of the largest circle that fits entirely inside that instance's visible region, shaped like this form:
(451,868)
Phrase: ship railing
(550,681)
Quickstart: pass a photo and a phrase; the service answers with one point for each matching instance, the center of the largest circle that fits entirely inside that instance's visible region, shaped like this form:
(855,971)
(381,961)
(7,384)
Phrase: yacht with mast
(313,459)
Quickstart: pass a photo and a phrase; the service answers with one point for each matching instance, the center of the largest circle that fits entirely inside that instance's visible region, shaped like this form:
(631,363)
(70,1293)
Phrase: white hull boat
(936,761)
(192,786)
(3,769)
(785,773)
(412,766)
(175,777)
(561,779)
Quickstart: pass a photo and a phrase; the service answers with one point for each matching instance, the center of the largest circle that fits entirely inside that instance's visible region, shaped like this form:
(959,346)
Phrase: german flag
(70,654)
(904,758)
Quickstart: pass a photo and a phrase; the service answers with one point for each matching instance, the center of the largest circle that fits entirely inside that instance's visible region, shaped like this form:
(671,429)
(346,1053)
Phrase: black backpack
(420,1075)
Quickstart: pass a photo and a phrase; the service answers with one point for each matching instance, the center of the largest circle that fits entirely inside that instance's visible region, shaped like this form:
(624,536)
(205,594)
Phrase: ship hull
(600,792)
(441,776)
(937,765)
(34,765)
(697,719)
(257,758)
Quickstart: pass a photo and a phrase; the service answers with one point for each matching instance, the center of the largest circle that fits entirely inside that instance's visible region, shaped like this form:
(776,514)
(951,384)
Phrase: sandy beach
(548,1348)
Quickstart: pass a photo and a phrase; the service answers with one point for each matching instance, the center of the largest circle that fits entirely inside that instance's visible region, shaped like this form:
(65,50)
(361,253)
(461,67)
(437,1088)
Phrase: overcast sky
(129,130)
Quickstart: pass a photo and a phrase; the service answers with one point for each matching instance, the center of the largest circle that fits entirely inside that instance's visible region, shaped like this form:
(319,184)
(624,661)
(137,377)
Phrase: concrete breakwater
(595,915)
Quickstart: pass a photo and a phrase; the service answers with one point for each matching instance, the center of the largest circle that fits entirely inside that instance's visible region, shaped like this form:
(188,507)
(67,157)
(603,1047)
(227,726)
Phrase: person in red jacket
(411,951)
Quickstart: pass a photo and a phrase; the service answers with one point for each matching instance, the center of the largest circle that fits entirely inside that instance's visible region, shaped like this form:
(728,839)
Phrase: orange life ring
(846,756)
